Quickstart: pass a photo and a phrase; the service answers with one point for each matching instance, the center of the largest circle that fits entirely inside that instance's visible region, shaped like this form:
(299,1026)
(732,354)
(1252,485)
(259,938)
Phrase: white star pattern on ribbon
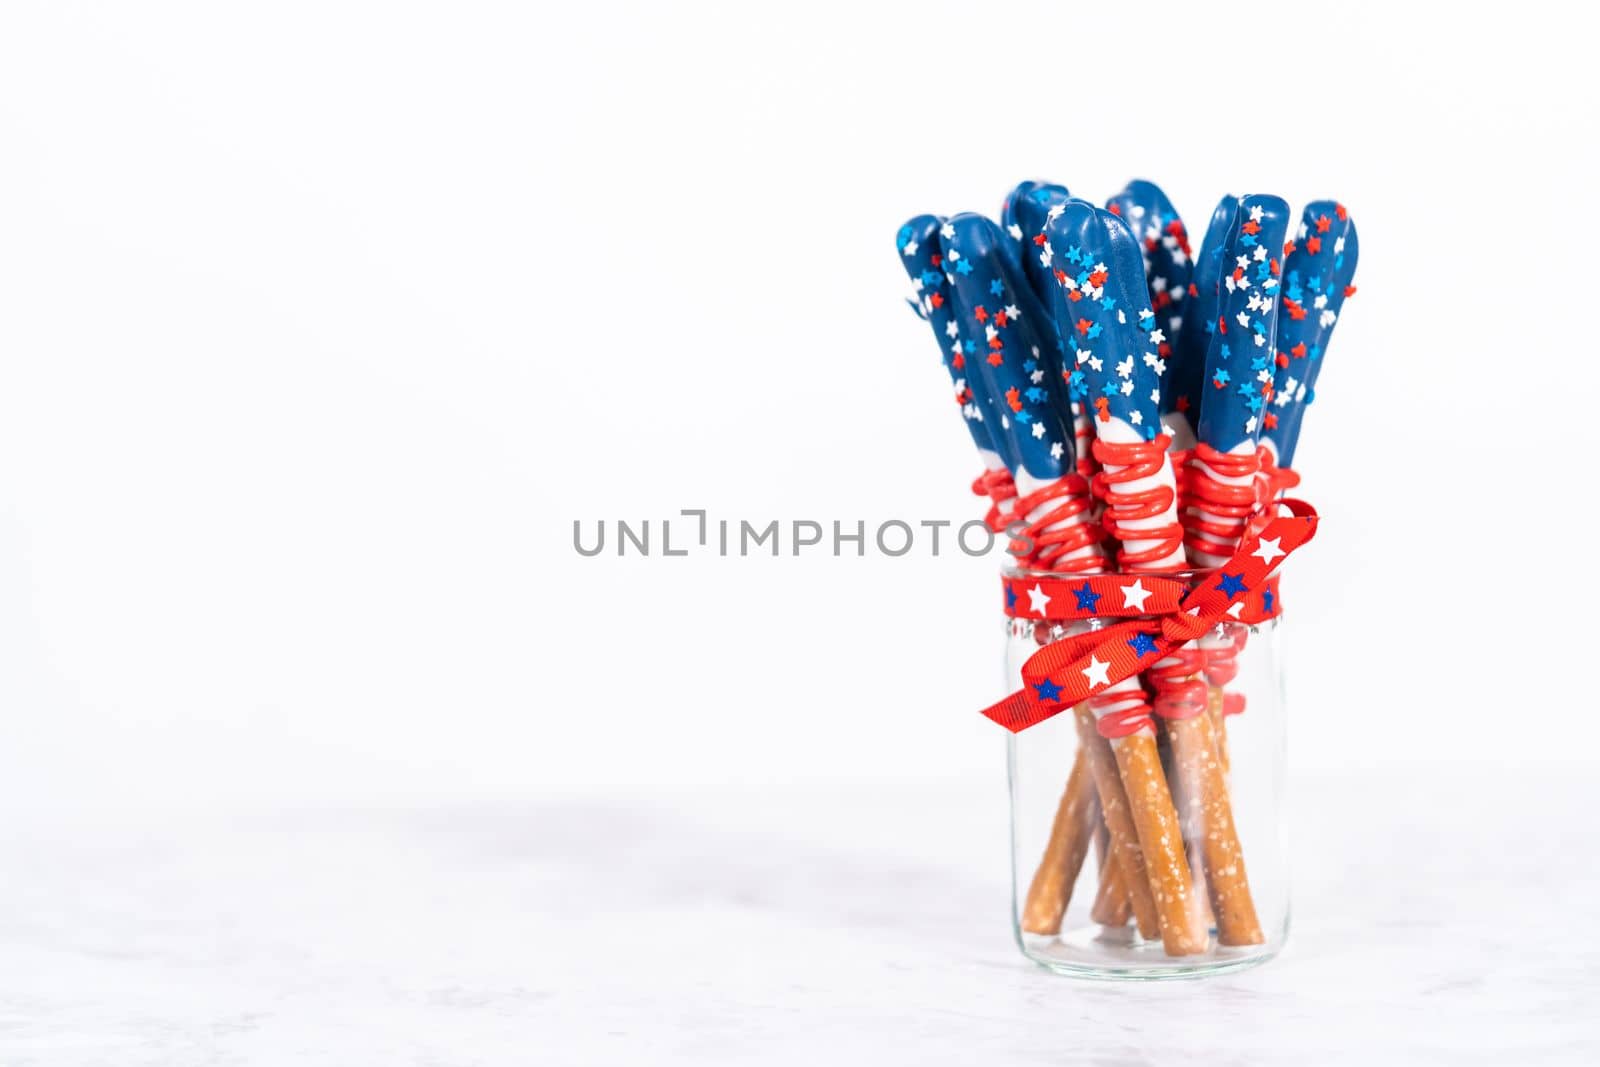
(1134,596)
(1096,672)
(1037,599)
(1268,550)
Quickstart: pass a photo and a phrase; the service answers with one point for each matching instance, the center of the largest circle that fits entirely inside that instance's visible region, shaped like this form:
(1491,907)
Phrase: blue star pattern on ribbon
(1087,598)
(1047,690)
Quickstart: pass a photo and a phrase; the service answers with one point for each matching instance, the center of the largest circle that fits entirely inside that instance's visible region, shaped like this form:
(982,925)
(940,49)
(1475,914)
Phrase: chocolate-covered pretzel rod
(923,260)
(1104,316)
(1017,364)
(1032,205)
(1318,274)
(1239,373)
(1183,387)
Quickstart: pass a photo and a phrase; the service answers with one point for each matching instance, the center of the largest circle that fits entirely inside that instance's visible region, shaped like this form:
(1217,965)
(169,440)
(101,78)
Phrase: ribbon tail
(1017,712)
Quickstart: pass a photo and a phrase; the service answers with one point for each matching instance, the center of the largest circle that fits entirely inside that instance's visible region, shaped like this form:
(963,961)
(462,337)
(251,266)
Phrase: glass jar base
(1121,955)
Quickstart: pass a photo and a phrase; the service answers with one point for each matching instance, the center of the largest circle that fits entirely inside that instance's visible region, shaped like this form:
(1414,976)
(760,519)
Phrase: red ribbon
(1100,596)
(1069,671)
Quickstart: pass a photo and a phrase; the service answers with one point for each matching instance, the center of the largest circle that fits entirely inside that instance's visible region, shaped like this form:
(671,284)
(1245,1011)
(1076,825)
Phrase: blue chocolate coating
(923,259)
(1008,341)
(1102,309)
(1317,274)
(1031,210)
(1187,374)
(1011,225)
(1168,261)
(1240,357)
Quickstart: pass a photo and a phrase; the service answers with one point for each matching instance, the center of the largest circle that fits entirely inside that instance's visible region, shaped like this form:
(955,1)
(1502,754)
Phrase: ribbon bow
(1067,672)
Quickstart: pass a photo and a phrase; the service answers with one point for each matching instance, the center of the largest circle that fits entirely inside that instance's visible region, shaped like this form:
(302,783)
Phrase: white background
(321,323)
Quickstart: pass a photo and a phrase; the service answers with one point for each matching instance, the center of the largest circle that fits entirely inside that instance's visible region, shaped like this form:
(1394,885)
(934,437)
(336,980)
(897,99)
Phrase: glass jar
(1160,853)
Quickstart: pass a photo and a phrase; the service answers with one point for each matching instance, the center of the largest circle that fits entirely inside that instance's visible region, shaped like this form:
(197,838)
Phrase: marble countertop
(1439,918)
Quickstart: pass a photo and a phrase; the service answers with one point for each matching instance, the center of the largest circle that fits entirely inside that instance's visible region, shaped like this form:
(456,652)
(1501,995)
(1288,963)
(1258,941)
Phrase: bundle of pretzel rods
(1136,406)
